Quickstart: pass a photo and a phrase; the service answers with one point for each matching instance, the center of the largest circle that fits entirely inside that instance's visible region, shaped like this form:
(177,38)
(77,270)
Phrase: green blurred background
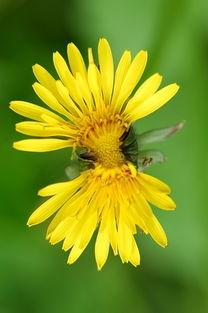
(34,276)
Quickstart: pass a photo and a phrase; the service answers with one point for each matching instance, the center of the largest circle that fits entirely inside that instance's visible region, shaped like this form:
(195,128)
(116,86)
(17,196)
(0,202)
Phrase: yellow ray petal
(67,101)
(61,230)
(106,68)
(46,209)
(66,76)
(101,248)
(124,240)
(88,230)
(113,235)
(76,60)
(156,231)
(64,212)
(90,56)
(45,78)
(75,253)
(85,237)
(71,236)
(147,89)
(77,205)
(134,255)
(95,86)
(142,206)
(159,199)
(32,111)
(42,145)
(47,97)
(132,77)
(83,87)
(74,234)
(41,129)
(53,189)
(121,71)
(154,102)
(154,182)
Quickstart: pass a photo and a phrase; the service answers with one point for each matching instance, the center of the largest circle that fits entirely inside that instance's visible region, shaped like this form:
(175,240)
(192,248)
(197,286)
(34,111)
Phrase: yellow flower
(96,112)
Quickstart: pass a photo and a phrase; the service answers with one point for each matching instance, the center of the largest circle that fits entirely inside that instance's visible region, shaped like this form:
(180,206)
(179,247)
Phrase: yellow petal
(124,241)
(42,145)
(90,56)
(76,60)
(132,77)
(45,78)
(32,111)
(154,102)
(73,236)
(47,97)
(147,89)
(153,182)
(41,129)
(135,255)
(48,208)
(73,191)
(83,87)
(121,71)
(156,231)
(85,237)
(61,230)
(101,249)
(53,189)
(66,76)
(69,104)
(95,86)
(159,199)
(113,235)
(75,253)
(106,68)
(142,207)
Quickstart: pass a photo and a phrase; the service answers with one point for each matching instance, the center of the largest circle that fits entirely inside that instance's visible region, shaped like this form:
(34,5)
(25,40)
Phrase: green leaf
(73,170)
(80,163)
(146,158)
(158,135)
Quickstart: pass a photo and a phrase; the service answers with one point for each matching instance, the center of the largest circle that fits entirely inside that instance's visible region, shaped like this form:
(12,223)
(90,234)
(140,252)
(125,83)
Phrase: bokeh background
(34,276)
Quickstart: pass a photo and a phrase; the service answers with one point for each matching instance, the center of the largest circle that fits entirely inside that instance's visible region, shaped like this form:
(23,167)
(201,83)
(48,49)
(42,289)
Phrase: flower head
(90,107)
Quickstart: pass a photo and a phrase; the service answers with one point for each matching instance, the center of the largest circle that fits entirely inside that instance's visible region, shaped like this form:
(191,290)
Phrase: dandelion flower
(92,107)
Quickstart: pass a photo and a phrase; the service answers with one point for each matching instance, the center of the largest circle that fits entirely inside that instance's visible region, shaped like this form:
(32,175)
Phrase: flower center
(104,143)
(107,151)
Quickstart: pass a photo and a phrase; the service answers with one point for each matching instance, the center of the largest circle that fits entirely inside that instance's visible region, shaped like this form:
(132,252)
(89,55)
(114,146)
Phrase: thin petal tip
(158,75)
(135,264)
(15,145)
(144,53)
(71,44)
(176,87)
(30,223)
(55,54)
(12,104)
(35,65)
(40,192)
(99,267)
(48,236)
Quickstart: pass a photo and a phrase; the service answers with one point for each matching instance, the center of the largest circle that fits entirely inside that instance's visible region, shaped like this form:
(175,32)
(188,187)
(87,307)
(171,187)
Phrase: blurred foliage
(34,276)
